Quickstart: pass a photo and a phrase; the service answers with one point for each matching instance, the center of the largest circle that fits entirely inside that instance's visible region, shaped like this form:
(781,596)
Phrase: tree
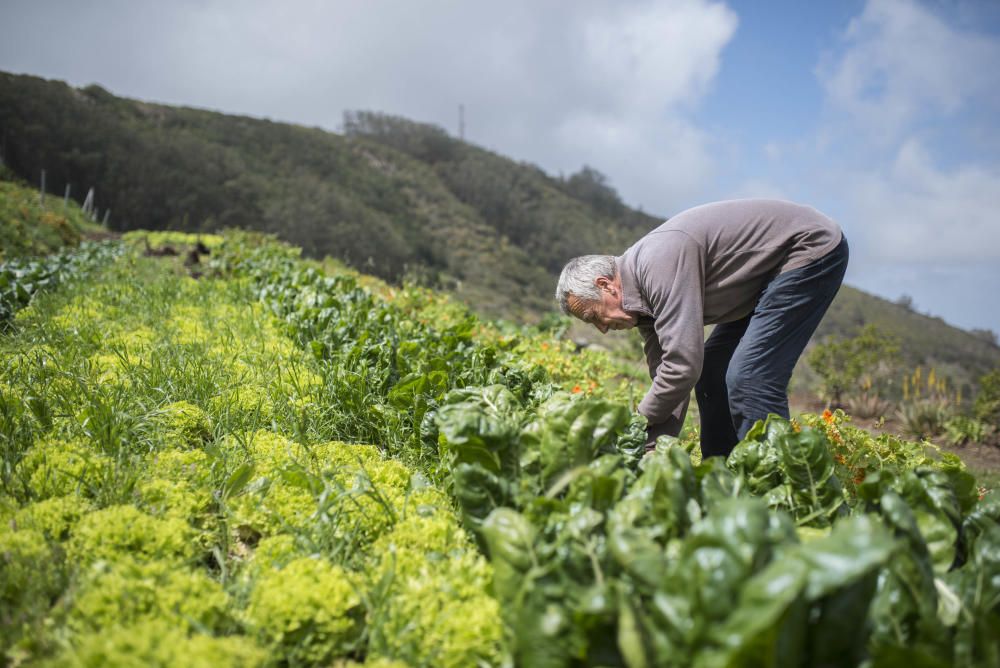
(853,363)
(593,188)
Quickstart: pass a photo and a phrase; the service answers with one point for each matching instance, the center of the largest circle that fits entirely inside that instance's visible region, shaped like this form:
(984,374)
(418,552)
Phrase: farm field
(237,457)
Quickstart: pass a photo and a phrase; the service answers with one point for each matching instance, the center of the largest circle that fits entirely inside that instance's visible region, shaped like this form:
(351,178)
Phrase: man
(762,271)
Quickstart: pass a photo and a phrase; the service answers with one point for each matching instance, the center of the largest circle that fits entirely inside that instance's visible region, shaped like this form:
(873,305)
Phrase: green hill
(388,196)
(29,226)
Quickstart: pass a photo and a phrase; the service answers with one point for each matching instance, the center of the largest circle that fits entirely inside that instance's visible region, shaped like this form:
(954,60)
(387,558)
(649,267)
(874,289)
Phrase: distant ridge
(389,196)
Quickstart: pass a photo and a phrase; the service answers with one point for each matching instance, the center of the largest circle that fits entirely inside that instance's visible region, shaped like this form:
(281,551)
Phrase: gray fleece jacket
(704,266)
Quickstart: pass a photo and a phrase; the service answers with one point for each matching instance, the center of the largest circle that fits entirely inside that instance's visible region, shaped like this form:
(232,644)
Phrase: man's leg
(787,314)
(718,436)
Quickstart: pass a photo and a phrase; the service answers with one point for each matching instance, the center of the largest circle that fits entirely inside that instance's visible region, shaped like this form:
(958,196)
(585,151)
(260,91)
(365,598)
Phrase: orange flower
(827,416)
(577,389)
(545,346)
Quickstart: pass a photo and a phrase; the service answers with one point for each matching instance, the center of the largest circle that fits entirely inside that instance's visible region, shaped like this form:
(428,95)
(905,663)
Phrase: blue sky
(881,113)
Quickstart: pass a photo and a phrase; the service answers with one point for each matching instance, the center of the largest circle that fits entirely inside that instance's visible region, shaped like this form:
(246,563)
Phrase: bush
(853,364)
(961,429)
(987,406)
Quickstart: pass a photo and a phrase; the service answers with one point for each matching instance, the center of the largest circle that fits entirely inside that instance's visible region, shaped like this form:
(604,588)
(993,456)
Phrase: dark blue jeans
(749,362)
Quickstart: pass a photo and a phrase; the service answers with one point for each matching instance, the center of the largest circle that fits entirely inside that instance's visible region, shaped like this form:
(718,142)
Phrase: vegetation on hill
(923,340)
(29,227)
(393,198)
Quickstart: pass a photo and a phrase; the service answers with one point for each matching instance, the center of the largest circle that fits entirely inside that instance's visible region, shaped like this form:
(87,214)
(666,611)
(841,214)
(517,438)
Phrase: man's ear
(602,282)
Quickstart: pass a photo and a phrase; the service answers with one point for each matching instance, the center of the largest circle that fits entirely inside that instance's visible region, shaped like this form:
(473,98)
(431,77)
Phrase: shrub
(987,404)
(962,429)
(923,418)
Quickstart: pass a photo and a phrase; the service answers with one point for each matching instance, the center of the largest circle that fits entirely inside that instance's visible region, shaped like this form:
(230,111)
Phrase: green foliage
(55,517)
(923,340)
(184,425)
(158,643)
(434,607)
(31,578)
(307,612)
(29,228)
(961,429)
(58,468)
(118,531)
(987,405)
(128,590)
(815,544)
(792,469)
(852,364)
(924,418)
(21,279)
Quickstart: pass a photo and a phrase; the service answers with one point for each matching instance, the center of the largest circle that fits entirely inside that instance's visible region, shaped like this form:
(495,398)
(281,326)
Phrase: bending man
(762,271)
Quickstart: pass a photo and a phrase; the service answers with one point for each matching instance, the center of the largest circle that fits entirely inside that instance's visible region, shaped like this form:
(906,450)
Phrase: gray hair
(578,278)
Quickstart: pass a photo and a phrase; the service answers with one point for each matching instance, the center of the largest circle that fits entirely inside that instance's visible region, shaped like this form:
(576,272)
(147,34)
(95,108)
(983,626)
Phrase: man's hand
(672,427)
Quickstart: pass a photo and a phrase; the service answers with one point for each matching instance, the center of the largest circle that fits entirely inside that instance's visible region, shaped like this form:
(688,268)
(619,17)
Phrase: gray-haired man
(763,271)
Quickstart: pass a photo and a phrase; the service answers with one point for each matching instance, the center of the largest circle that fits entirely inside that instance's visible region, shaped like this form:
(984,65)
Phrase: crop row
(174,493)
(178,451)
(813,544)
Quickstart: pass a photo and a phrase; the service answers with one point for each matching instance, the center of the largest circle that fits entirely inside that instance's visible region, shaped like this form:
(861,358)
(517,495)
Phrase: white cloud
(908,90)
(903,64)
(918,211)
(608,83)
(649,65)
(654,56)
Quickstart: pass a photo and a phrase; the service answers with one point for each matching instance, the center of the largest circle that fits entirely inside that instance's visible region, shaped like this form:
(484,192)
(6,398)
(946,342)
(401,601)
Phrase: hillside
(30,227)
(391,197)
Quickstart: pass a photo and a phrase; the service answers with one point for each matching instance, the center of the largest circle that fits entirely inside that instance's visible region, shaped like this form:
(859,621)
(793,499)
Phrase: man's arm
(671,275)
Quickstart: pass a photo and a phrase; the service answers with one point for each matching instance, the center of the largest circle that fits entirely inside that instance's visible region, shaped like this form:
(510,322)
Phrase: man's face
(606,313)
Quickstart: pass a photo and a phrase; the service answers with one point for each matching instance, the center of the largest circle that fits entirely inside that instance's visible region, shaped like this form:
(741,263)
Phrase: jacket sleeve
(670,272)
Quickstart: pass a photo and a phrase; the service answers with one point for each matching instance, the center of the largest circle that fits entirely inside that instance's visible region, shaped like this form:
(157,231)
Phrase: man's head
(590,289)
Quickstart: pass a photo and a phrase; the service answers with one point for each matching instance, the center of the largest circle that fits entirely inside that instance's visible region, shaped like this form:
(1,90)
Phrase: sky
(883,114)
